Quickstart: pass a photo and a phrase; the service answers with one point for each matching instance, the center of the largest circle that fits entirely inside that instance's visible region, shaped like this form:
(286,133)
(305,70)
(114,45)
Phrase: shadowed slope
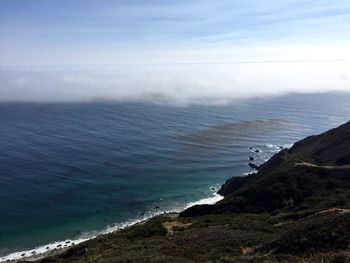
(296,209)
(313,167)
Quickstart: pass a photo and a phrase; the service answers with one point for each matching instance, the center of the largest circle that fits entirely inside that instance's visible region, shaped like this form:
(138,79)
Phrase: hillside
(313,168)
(296,208)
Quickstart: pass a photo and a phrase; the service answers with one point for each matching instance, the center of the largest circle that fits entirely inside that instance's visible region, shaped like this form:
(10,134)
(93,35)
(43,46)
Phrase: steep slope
(295,209)
(316,168)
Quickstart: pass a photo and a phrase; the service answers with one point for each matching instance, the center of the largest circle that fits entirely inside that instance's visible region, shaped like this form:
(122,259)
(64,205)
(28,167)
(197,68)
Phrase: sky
(84,43)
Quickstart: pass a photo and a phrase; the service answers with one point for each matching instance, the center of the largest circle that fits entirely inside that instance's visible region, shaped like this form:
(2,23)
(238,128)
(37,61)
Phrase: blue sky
(160,50)
(47,32)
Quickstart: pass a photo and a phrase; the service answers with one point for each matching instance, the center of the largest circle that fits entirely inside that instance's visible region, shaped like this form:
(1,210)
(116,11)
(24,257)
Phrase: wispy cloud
(62,32)
(91,32)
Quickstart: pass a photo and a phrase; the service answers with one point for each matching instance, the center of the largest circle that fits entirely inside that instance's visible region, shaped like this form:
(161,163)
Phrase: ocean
(73,170)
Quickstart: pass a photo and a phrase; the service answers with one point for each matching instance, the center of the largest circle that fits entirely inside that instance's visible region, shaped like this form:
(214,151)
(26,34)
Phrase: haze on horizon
(181,52)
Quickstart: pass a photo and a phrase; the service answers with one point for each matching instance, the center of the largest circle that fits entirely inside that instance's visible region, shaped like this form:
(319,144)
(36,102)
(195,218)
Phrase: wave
(278,147)
(206,201)
(59,245)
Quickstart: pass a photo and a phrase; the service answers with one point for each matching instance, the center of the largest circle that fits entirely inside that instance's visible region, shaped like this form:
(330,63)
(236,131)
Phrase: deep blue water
(69,169)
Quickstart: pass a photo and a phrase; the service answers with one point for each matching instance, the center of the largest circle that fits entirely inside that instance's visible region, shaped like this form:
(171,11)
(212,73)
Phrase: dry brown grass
(246,251)
(171,226)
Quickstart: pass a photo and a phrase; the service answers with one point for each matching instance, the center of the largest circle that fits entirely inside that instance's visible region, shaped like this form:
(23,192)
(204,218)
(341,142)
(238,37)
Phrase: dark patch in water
(219,135)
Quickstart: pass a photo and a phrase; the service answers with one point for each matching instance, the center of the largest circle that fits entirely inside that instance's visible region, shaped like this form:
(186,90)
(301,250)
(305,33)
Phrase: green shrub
(226,260)
(147,230)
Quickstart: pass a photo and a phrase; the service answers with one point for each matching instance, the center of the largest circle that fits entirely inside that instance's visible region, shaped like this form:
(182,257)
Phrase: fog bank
(179,84)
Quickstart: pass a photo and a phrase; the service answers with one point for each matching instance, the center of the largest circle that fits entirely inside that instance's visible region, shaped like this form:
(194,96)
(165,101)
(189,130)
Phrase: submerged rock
(283,213)
(285,182)
(253,165)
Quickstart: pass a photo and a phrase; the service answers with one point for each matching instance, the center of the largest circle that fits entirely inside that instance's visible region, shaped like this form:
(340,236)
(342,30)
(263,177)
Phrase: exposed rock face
(312,168)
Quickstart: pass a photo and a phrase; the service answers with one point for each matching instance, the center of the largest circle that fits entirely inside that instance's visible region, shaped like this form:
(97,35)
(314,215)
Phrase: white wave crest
(58,245)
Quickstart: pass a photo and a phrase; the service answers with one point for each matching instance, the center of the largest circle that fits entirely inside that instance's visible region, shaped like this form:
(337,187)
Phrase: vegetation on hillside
(295,209)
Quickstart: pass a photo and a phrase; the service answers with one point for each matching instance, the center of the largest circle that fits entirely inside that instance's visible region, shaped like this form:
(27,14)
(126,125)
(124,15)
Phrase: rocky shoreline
(296,208)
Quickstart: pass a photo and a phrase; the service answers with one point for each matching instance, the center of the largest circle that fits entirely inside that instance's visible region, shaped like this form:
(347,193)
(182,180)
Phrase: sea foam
(58,245)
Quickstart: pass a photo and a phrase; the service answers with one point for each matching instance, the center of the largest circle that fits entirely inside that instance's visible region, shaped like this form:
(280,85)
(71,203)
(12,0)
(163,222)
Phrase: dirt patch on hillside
(172,226)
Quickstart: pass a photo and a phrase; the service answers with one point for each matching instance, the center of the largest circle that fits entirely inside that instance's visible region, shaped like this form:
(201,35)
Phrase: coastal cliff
(295,208)
(314,168)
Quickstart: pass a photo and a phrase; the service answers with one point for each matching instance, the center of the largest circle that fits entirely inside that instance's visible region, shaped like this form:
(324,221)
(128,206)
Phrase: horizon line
(193,63)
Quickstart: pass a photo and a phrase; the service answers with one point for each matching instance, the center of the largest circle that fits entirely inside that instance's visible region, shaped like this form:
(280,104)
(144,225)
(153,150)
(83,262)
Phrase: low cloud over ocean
(179,84)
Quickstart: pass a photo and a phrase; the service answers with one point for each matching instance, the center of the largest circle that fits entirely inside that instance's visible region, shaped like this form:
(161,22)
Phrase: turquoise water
(70,170)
